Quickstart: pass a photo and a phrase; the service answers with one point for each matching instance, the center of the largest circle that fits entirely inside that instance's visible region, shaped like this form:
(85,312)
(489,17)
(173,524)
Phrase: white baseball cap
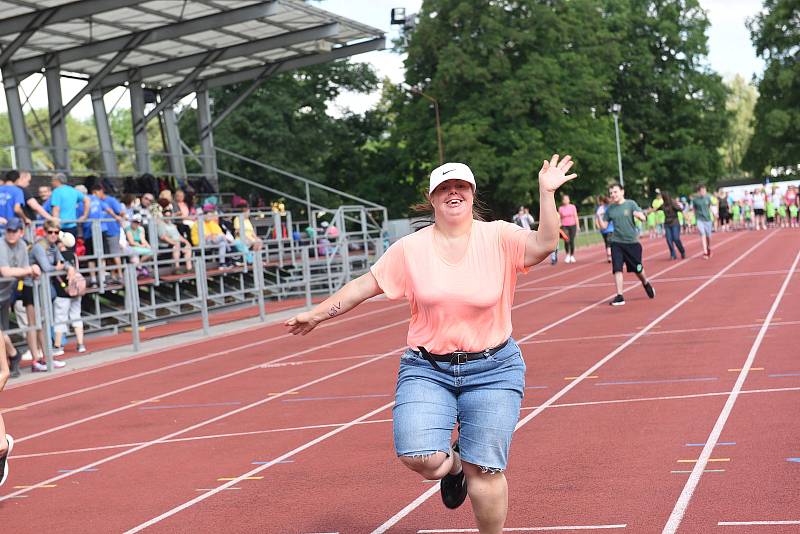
(451,171)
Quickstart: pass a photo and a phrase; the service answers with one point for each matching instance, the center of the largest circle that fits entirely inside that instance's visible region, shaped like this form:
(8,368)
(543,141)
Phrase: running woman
(625,247)
(6,441)
(462,365)
(701,203)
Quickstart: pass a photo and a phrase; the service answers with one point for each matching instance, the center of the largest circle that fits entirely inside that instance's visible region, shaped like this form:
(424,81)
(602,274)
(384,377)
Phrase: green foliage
(673,107)
(82,141)
(517,81)
(776,139)
(741,103)
(286,123)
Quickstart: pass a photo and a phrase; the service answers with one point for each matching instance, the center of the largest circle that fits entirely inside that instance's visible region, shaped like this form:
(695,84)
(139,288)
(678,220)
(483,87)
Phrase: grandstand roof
(166,43)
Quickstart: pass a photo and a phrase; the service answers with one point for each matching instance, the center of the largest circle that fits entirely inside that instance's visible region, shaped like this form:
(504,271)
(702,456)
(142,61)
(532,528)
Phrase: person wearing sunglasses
(15,263)
(48,256)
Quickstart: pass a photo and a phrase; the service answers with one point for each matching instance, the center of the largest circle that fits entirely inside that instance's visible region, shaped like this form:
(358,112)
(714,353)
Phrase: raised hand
(553,173)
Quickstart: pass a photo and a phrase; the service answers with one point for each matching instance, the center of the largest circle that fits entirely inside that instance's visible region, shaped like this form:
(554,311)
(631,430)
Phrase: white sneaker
(27,356)
(58,364)
(573,259)
(81,348)
(58,351)
(39,367)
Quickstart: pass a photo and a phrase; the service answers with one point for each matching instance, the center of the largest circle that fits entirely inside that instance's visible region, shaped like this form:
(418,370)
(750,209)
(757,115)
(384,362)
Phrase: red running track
(675,415)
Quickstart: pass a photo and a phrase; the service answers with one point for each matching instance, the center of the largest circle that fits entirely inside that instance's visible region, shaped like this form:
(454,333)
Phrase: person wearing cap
(15,263)
(459,275)
(47,255)
(64,204)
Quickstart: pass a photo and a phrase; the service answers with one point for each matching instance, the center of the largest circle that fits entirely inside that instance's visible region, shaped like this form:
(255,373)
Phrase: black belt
(458,357)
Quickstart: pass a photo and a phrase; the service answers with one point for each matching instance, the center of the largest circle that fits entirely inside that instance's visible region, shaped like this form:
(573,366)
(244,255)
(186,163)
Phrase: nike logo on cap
(445,172)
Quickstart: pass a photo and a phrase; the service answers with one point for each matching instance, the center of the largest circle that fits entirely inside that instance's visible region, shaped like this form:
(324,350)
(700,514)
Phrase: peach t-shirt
(463,306)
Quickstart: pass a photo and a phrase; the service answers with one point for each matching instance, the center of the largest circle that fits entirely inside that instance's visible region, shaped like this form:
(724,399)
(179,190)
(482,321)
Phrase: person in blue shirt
(64,202)
(97,211)
(111,229)
(11,198)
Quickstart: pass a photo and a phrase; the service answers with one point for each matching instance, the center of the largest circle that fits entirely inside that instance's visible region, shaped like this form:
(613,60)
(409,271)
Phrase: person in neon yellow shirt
(655,204)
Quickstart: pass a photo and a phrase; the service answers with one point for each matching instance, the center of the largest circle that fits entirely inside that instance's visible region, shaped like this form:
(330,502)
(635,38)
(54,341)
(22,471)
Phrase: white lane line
(255,471)
(205,382)
(193,438)
(605,299)
(527,529)
(601,275)
(426,495)
(679,510)
(662,332)
(178,364)
(674,279)
(755,523)
(201,424)
(374,421)
(670,397)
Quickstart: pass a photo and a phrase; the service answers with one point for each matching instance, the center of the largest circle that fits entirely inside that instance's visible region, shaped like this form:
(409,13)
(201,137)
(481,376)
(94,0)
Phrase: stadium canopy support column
(58,126)
(206,136)
(176,161)
(139,128)
(104,134)
(22,150)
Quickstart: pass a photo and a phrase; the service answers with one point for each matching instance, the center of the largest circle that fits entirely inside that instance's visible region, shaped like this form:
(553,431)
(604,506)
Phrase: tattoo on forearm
(334,311)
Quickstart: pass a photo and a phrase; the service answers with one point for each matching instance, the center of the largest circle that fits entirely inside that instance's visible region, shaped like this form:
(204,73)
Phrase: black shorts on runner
(606,237)
(758,211)
(628,254)
(26,295)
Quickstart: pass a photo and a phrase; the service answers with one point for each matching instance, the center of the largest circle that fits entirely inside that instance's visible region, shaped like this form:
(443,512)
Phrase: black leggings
(569,244)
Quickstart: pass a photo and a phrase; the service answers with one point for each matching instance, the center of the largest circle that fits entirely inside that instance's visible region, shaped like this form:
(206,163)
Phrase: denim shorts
(483,396)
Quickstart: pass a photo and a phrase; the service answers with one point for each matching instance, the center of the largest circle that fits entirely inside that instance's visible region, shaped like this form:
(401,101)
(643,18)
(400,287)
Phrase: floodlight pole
(615,109)
(438,122)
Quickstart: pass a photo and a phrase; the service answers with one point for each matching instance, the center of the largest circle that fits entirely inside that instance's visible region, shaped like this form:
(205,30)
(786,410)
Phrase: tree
(673,107)
(776,138)
(519,80)
(516,82)
(741,102)
(286,123)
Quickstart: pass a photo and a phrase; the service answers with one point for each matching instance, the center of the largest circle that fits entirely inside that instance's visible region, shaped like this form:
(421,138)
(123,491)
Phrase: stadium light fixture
(418,91)
(616,109)
(398,16)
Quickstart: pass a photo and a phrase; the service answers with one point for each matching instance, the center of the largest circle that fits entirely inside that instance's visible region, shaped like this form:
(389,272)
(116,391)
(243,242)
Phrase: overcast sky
(730,48)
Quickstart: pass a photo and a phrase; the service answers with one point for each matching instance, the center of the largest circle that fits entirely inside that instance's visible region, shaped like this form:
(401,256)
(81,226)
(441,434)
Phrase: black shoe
(619,300)
(454,487)
(649,290)
(14,365)
(4,460)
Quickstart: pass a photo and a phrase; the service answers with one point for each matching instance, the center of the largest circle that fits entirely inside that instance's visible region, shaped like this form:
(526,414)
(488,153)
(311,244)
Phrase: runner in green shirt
(701,203)
(625,247)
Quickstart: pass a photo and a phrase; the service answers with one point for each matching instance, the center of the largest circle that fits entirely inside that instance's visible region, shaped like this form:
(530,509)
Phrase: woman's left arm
(543,241)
